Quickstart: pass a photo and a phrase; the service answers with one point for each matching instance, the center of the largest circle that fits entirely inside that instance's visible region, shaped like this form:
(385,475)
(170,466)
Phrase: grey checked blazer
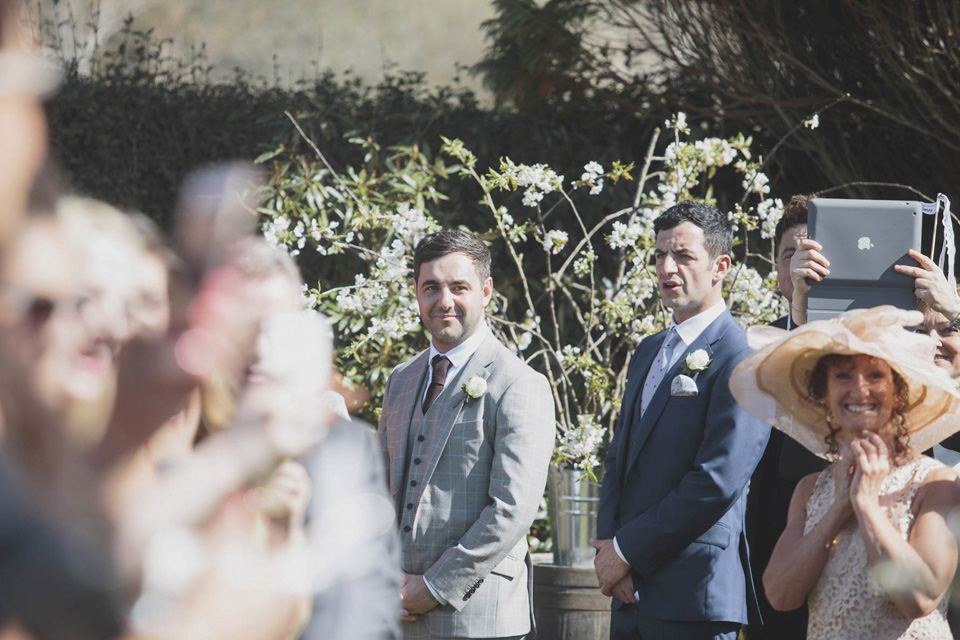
(486,468)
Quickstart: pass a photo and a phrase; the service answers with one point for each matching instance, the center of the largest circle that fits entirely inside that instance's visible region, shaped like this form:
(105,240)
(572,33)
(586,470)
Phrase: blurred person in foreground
(58,577)
(467,431)
(866,543)
(332,501)
(784,462)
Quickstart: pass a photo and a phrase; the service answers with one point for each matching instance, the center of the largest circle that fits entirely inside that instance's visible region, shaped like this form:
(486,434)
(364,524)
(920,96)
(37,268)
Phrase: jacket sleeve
(523,444)
(732,444)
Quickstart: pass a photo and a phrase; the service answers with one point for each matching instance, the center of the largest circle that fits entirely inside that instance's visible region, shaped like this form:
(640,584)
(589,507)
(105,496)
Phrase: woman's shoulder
(808,483)
(939,485)
(932,470)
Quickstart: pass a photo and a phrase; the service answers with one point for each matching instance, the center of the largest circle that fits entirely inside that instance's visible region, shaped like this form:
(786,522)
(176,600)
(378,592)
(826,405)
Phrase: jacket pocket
(718,535)
(508,568)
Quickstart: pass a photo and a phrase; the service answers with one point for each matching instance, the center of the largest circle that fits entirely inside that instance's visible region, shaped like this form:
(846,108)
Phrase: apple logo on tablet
(864,243)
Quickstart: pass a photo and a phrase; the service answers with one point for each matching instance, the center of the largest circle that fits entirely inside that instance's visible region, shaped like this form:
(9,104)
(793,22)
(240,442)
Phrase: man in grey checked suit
(466,471)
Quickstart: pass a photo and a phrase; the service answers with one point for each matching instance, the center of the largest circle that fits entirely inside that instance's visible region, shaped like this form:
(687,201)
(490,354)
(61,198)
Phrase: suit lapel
(408,383)
(450,402)
(661,396)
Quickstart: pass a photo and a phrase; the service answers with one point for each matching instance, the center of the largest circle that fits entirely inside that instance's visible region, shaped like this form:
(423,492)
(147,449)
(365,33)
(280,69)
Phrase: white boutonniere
(696,362)
(473,389)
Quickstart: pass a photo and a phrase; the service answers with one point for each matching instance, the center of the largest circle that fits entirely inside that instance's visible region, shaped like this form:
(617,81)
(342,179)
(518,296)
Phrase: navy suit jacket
(674,486)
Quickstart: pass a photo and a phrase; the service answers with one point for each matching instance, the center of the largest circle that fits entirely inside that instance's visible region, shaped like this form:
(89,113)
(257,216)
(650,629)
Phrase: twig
(323,159)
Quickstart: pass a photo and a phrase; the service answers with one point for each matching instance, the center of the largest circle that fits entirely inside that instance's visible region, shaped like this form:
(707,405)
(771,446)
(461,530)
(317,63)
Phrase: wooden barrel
(568,605)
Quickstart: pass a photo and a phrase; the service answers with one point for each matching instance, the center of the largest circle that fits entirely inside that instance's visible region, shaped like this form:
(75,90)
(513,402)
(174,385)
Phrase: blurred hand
(286,495)
(244,593)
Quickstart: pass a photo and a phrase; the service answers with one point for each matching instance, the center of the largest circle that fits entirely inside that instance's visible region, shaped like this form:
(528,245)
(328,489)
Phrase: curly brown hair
(817,393)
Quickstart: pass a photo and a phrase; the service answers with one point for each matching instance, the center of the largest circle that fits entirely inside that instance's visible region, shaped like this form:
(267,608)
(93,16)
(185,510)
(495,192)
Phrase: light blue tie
(659,368)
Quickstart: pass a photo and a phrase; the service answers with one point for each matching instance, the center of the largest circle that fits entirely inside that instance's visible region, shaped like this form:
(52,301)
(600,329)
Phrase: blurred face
(39,321)
(689,279)
(947,339)
(108,284)
(860,395)
(451,298)
(788,246)
(276,294)
(149,310)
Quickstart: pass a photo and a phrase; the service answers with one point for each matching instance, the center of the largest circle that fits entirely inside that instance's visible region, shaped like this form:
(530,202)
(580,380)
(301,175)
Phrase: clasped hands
(416,598)
(859,475)
(613,573)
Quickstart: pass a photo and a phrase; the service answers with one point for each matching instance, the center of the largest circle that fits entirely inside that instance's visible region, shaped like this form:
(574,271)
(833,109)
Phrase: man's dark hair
(717,232)
(793,214)
(442,243)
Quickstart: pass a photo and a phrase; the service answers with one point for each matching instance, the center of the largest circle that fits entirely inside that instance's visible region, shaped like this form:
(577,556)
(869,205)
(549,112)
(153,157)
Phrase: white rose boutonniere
(473,389)
(696,362)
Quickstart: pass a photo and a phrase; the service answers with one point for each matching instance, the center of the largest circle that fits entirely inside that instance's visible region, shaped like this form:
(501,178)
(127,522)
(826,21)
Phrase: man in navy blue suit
(671,547)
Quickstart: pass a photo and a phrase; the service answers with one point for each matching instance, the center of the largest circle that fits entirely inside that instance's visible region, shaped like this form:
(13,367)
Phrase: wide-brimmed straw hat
(771,384)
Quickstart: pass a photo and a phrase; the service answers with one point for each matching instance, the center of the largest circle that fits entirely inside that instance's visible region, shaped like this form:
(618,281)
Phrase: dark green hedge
(133,129)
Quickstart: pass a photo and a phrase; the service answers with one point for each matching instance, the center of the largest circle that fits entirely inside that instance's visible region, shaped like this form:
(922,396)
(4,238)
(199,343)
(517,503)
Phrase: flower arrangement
(575,294)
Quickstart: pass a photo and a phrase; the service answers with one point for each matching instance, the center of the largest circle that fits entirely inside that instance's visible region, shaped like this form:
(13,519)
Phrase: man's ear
(487,290)
(721,267)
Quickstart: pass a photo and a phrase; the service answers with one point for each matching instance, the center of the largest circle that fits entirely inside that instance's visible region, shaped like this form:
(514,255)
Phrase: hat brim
(771,384)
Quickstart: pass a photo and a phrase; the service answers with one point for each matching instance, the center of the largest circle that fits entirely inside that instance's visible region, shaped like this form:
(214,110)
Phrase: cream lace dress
(846,603)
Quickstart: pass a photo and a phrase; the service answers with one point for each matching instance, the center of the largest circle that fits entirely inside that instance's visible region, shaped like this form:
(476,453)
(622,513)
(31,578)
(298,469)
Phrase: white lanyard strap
(948,251)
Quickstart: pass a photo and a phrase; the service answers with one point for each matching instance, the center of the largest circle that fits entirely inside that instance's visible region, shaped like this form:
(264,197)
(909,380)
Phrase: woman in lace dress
(866,543)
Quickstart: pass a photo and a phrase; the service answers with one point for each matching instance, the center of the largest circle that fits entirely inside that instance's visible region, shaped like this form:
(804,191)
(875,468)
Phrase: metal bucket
(574,501)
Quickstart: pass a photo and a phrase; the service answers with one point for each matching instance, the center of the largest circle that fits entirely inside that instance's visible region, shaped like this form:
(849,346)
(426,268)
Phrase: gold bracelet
(827,544)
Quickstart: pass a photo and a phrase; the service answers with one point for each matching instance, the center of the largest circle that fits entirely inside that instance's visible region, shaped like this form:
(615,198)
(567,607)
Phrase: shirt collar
(691,328)
(462,352)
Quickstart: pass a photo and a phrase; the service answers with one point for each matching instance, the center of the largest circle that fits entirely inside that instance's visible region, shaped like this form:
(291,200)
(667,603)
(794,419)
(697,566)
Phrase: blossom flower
(411,224)
(678,122)
(274,228)
(555,241)
(581,266)
(756,181)
(812,122)
(623,236)
(593,176)
(532,197)
(769,213)
(568,355)
(580,444)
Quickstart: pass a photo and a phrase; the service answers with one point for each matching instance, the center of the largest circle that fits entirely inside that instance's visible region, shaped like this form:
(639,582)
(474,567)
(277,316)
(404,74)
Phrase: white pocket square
(683,386)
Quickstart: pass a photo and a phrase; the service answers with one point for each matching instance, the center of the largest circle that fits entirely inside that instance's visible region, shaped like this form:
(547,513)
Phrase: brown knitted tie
(440,365)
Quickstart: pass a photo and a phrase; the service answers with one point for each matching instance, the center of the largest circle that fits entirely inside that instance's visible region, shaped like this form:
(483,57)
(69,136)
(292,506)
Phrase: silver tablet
(863,240)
